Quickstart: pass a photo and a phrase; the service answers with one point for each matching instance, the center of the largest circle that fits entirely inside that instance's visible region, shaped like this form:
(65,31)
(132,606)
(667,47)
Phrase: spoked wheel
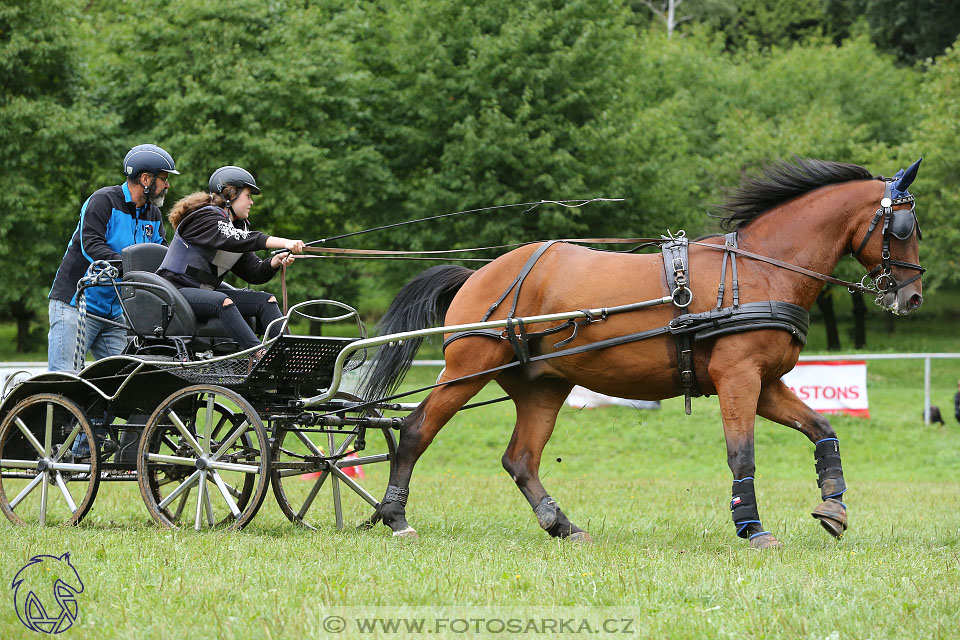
(203,460)
(298,474)
(49,464)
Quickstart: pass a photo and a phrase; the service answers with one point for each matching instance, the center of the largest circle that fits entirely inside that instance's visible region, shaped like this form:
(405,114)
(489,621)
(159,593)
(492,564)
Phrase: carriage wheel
(203,460)
(297,476)
(42,480)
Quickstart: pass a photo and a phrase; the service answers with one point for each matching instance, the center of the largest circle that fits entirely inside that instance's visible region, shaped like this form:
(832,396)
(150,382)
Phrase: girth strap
(769,314)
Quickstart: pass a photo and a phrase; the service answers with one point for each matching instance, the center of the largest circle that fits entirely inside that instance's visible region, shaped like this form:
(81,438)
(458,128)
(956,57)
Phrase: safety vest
(205,266)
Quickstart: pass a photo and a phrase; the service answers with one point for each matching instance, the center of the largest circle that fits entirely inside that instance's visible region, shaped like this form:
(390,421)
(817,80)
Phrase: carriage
(638,325)
(204,430)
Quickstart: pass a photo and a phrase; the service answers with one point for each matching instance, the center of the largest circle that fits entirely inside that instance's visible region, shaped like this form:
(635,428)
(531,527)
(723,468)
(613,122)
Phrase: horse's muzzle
(901,302)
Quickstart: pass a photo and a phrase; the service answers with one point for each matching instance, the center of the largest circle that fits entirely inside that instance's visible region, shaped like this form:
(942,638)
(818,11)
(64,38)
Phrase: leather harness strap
(518,281)
(686,328)
(730,242)
(675,267)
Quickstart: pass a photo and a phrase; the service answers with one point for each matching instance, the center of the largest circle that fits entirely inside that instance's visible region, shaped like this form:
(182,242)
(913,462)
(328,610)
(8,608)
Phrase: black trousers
(208,304)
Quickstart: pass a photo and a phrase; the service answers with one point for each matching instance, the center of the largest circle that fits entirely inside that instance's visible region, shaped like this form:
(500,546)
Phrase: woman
(213,237)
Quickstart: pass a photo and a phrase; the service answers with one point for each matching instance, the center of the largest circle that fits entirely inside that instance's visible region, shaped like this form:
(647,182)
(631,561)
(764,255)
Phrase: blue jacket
(109,222)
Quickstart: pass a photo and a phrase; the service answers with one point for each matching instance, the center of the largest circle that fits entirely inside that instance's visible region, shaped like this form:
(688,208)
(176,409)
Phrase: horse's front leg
(779,404)
(738,406)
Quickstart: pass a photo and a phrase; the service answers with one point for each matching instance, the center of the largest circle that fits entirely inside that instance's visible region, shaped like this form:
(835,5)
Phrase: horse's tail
(421,303)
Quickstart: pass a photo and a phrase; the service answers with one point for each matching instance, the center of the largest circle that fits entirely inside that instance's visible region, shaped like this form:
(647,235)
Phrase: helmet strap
(148,188)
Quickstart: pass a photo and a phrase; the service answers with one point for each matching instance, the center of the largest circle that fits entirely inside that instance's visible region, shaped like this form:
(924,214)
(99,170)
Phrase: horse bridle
(899,224)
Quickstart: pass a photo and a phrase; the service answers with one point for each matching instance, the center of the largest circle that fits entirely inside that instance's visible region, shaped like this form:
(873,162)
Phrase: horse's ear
(908,176)
(66,557)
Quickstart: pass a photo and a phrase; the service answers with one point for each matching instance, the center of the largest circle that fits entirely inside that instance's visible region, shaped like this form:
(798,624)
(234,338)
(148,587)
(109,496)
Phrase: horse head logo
(45,593)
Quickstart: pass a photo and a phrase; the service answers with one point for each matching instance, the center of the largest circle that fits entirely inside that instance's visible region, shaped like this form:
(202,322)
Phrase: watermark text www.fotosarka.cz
(476,621)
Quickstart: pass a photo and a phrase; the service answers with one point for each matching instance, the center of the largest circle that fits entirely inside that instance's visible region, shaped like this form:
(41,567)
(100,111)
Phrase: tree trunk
(23,317)
(316,328)
(825,304)
(859,321)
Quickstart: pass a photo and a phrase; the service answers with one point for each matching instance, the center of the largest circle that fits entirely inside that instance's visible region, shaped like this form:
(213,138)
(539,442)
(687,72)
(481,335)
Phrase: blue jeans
(101,339)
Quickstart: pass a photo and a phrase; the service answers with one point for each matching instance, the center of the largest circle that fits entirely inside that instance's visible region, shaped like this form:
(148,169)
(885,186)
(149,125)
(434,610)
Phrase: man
(110,220)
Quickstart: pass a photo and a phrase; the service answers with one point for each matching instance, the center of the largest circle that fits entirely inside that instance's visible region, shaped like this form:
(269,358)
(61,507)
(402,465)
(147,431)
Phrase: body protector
(203,266)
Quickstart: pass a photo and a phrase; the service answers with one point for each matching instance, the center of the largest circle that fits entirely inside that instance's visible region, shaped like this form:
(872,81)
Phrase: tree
(912,30)
(274,89)
(767,23)
(55,142)
(667,12)
(505,102)
(937,187)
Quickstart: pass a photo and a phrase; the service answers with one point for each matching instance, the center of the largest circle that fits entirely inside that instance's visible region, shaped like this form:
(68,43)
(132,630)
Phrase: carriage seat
(163,311)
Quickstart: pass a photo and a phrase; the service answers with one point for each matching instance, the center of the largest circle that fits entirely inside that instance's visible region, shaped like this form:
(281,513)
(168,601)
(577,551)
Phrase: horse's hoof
(765,541)
(832,516)
(580,537)
(407,532)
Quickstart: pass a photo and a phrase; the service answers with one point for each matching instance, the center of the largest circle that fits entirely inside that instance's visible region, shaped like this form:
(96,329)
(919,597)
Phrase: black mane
(782,181)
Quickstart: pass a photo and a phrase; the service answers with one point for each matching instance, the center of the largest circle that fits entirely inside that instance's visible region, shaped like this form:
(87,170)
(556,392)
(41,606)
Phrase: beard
(156,199)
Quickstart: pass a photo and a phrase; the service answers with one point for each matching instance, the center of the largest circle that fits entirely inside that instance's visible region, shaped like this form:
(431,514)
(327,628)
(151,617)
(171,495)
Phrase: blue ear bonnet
(901,222)
(903,179)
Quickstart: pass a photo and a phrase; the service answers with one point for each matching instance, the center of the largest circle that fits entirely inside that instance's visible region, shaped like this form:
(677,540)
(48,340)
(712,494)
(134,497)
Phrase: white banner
(831,386)
(583,398)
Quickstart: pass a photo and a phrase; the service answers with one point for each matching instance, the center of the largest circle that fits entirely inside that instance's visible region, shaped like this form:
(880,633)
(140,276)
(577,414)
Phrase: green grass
(652,488)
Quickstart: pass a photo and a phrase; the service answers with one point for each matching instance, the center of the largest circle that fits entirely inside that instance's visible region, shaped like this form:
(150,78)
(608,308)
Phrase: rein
(424,255)
(896,223)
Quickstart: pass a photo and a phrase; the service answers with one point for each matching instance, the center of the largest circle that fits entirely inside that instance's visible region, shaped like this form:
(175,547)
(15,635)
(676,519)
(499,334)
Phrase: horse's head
(892,255)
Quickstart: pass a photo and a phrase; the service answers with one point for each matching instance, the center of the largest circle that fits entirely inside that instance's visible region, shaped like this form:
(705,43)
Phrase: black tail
(421,303)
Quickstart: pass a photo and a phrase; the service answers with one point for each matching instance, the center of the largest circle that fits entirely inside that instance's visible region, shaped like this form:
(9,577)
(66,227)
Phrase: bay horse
(804,215)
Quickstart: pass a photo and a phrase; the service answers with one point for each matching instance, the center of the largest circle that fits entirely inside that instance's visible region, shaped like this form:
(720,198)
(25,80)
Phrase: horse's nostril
(915,301)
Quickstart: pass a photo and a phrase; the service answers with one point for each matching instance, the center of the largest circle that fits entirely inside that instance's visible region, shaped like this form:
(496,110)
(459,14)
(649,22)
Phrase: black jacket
(210,228)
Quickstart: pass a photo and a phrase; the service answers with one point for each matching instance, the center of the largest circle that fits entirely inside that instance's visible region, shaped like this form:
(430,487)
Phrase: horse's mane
(781,181)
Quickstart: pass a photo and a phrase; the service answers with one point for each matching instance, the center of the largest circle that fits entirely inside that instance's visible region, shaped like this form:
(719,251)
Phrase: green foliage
(272,88)
(913,30)
(935,138)
(767,23)
(51,135)
(503,102)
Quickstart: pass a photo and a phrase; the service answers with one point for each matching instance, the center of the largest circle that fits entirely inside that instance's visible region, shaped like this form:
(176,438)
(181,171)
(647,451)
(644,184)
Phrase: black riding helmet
(149,158)
(237,176)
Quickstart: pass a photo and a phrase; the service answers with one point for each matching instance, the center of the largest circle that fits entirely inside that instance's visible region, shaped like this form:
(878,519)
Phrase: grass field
(653,489)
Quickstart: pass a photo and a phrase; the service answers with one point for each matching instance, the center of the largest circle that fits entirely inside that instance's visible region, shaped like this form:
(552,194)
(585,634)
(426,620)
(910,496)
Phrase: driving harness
(686,328)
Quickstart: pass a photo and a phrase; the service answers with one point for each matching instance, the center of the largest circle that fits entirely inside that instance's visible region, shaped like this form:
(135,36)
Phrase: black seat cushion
(143,257)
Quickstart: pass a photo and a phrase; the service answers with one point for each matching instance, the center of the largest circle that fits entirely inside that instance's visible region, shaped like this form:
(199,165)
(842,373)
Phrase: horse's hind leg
(779,404)
(537,406)
(738,393)
(417,431)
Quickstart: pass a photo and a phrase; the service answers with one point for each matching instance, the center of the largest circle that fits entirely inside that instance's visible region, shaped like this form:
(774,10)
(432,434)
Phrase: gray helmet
(149,158)
(237,176)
